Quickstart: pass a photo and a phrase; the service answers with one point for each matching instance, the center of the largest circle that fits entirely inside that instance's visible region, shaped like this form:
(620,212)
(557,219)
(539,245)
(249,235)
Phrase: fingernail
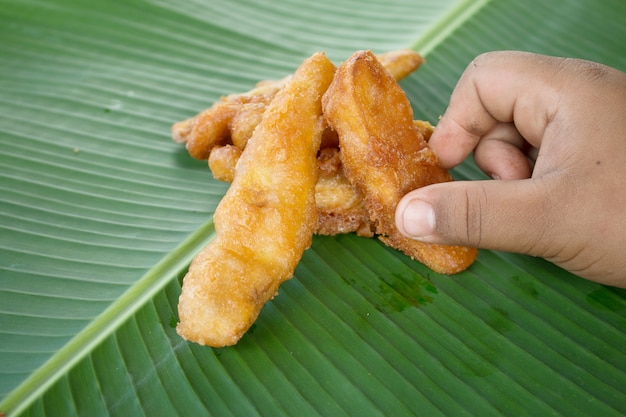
(418,219)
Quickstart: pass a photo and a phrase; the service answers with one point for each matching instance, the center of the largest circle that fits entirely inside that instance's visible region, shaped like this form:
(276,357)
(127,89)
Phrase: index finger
(497,87)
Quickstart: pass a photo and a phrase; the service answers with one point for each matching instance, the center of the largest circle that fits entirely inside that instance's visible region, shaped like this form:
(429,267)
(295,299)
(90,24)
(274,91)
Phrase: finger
(501,160)
(501,153)
(497,87)
(500,215)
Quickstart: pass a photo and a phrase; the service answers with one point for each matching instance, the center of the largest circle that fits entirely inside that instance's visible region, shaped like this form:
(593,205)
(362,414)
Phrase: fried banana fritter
(266,219)
(222,131)
(320,151)
(213,126)
(384,154)
(233,118)
(400,63)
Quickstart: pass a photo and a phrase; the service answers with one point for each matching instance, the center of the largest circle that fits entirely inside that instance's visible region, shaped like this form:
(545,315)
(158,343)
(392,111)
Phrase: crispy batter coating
(244,122)
(340,205)
(206,130)
(384,155)
(266,219)
(233,119)
(212,127)
(222,162)
(400,63)
(424,128)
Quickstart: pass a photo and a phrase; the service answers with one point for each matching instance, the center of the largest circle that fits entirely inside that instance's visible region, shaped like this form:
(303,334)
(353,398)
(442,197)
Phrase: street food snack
(232,119)
(220,134)
(238,112)
(323,151)
(384,154)
(266,219)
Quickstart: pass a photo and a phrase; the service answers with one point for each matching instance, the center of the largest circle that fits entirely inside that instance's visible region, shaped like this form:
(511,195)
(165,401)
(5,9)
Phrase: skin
(552,134)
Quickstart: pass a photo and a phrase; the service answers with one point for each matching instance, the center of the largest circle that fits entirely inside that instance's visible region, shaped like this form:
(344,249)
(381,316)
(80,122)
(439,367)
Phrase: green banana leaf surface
(101,213)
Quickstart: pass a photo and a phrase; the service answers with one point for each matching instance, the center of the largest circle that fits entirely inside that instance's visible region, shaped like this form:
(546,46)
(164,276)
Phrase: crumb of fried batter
(340,206)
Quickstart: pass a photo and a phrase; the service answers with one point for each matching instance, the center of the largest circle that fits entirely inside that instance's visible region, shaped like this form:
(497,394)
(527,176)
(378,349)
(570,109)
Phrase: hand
(552,133)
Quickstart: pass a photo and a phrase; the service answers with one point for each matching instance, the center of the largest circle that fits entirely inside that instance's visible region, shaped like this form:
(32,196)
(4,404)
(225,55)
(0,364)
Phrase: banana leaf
(101,213)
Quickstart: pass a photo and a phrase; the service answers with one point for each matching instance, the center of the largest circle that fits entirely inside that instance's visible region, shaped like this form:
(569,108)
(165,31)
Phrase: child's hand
(553,133)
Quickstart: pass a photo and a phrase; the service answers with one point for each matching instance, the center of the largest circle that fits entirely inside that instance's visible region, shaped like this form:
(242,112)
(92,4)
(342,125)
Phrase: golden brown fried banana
(266,219)
(384,155)
(400,63)
(233,119)
(212,127)
(206,130)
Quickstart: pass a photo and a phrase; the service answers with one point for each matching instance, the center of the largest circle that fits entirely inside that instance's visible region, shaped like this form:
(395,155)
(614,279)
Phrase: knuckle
(475,203)
(463,220)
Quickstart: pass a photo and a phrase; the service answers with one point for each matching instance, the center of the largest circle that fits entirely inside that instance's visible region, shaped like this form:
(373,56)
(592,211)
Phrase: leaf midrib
(109,321)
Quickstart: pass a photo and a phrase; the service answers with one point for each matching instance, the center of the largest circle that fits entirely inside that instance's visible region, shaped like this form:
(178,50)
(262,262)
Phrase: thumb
(510,216)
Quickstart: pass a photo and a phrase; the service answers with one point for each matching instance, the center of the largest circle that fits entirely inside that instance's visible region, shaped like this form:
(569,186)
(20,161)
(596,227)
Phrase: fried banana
(384,154)
(212,127)
(340,206)
(233,118)
(266,219)
(400,63)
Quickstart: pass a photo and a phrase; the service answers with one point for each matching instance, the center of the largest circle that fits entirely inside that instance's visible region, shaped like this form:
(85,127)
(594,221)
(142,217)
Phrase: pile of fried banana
(325,150)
